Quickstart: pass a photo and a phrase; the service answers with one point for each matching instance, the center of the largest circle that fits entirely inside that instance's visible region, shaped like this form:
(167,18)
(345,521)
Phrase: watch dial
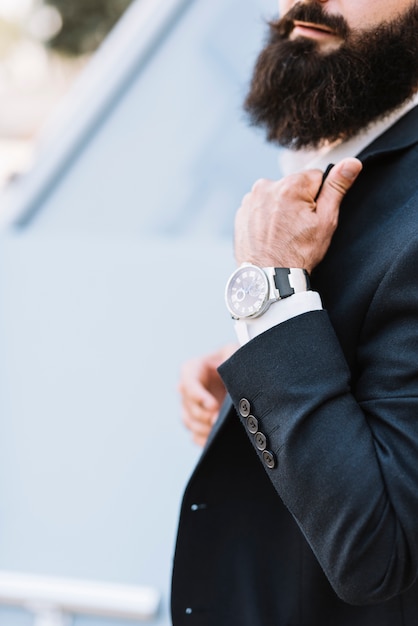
(247,292)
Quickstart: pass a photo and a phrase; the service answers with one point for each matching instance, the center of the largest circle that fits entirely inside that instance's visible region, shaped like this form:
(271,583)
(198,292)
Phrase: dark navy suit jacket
(329,535)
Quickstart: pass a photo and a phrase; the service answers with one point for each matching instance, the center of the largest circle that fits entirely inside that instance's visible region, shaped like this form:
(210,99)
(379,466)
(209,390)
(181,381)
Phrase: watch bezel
(228,298)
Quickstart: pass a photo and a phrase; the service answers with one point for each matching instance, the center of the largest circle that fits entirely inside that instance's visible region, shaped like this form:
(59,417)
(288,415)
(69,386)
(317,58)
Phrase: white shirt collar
(291,161)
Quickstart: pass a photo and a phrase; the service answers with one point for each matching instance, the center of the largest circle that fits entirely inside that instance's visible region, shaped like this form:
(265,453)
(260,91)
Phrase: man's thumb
(337,183)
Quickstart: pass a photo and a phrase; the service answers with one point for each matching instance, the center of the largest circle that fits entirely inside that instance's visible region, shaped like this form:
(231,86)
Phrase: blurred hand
(202,392)
(280,224)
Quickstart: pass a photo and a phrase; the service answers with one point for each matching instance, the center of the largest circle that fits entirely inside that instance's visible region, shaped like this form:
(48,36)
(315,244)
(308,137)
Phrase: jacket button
(261,441)
(269,459)
(189,611)
(244,408)
(252,424)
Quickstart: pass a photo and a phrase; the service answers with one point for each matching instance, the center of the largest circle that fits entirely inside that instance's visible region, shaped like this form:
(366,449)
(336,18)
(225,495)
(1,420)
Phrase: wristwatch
(250,290)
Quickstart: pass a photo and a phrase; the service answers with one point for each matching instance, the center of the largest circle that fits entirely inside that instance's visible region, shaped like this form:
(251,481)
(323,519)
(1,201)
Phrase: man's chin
(317,84)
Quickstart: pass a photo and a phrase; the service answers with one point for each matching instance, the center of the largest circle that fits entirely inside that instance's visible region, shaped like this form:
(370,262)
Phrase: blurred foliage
(85,23)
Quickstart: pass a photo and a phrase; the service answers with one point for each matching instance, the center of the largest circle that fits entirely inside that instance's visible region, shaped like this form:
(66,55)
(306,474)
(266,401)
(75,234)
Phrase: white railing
(54,600)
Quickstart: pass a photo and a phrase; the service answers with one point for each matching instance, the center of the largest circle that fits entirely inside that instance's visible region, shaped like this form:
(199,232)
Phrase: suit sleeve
(346,459)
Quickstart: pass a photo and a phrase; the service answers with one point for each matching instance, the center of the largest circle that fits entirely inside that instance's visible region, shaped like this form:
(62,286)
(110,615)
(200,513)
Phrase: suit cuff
(277,313)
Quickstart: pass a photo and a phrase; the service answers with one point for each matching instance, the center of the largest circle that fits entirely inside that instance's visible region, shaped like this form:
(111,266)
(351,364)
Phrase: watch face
(247,292)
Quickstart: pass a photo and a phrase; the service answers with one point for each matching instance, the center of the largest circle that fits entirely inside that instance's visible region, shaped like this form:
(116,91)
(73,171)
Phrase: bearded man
(302,509)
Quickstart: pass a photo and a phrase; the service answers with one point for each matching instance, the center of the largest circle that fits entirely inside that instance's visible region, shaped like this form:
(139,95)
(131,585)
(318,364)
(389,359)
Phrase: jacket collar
(403,134)
(382,136)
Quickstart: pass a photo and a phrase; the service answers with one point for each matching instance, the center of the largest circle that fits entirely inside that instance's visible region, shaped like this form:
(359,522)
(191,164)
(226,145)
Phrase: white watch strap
(286,281)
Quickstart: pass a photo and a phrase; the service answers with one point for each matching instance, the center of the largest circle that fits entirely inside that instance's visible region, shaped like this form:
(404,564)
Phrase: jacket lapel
(403,134)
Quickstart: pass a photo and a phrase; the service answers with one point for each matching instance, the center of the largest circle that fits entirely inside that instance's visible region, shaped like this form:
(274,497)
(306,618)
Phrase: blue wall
(117,280)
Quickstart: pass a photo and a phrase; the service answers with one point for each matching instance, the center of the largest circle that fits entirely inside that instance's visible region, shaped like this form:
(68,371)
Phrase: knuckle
(338,185)
(285,188)
(197,412)
(260,184)
(246,199)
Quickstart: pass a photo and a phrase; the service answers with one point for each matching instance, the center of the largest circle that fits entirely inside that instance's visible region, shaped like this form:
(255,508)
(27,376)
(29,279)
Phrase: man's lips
(310,26)
(326,37)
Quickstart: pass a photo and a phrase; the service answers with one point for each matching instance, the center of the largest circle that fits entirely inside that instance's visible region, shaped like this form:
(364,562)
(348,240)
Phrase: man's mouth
(307,26)
(322,34)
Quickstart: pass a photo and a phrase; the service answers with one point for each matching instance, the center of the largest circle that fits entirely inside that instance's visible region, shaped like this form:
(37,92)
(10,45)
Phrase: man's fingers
(198,412)
(336,185)
(191,388)
(195,425)
(200,441)
(199,430)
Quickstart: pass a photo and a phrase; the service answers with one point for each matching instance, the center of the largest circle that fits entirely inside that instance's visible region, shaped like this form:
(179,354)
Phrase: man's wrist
(277,313)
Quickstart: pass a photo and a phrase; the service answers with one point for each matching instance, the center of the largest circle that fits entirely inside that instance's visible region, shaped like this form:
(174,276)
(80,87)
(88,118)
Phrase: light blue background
(114,282)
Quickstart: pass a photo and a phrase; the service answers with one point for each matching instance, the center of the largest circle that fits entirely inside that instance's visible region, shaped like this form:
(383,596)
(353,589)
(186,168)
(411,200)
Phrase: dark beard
(304,97)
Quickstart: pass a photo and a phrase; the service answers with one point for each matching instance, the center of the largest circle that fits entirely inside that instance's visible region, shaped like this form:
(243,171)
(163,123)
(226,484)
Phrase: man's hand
(202,392)
(280,224)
